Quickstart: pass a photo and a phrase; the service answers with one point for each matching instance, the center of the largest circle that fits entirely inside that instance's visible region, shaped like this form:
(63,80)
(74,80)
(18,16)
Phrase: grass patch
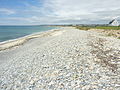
(83,27)
(108,27)
(107,30)
(98,27)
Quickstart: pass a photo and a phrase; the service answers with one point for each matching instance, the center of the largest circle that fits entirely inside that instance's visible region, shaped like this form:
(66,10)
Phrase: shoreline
(62,59)
(19,41)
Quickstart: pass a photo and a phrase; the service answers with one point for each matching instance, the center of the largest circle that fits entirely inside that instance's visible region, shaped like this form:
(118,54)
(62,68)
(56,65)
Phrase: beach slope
(66,59)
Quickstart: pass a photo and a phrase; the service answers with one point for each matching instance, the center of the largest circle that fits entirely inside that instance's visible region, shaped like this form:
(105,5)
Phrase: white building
(114,23)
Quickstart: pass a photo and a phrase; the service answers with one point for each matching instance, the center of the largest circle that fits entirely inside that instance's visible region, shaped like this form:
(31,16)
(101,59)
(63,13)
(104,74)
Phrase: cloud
(84,9)
(67,11)
(6,11)
(77,11)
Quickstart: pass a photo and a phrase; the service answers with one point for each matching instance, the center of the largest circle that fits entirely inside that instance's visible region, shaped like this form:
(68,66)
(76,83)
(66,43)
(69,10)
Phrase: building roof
(114,22)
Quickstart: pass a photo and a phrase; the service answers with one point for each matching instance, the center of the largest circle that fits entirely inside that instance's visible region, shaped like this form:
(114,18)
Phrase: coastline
(64,58)
(19,41)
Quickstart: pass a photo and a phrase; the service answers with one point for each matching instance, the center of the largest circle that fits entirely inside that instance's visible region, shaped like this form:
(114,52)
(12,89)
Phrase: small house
(114,23)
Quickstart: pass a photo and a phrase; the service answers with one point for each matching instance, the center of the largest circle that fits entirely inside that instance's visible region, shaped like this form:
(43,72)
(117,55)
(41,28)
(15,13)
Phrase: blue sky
(35,12)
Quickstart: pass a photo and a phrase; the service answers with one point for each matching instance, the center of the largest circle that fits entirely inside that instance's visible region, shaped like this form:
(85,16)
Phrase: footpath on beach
(64,59)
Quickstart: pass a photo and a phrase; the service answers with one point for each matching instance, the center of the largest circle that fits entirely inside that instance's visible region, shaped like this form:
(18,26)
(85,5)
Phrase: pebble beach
(62,59)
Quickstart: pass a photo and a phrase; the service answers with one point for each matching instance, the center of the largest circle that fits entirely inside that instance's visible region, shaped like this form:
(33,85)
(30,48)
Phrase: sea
(14,32)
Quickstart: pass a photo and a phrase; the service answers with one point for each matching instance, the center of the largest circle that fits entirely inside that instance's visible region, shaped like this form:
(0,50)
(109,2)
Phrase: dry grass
(106,57)
(108,30)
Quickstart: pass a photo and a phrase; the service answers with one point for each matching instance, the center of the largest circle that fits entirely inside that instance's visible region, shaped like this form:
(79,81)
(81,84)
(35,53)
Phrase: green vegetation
(83,27)
(108,30)
(108,27)
(98,27)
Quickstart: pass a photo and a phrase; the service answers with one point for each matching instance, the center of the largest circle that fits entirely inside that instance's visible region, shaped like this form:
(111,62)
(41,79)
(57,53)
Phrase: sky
(37,12)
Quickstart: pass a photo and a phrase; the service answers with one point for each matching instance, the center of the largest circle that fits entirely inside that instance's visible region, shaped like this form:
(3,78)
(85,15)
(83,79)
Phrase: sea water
(13,32)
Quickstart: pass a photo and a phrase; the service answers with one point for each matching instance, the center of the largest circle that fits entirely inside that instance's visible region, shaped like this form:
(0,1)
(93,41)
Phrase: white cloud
(69,11)
(65,11)
(6,11)
(78,8)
